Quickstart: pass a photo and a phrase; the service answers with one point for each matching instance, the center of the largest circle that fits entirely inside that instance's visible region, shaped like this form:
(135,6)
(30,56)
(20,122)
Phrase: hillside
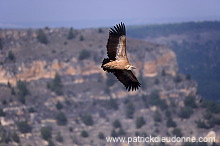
(196,45)
(53,91)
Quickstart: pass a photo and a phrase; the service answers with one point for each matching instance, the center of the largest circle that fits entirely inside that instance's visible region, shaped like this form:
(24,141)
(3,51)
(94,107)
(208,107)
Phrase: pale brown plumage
(118,63)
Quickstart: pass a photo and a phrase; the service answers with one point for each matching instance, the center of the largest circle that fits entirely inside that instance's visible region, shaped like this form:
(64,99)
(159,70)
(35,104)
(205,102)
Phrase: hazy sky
(98,13)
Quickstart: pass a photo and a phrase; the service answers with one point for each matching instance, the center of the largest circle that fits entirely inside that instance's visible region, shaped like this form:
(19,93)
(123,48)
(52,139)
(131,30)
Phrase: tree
(140,122)
(24,127)
(116,124)
(2,113)
(41,37)
(170,122)
(189,101)
(84,54)
(177,132)
(11,56)
(1,44)
(71,34)
(61,119)
(56,85)
(101,135)
(157,116)
(84,134)
(22,91)
(46,132)
(15,137)
(112,103)
(87,119)
(129,110)
(185,112)
(59,137)
(59,105)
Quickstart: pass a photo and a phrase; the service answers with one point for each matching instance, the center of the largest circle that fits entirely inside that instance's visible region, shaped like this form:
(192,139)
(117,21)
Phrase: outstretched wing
(116,46)
(128,79)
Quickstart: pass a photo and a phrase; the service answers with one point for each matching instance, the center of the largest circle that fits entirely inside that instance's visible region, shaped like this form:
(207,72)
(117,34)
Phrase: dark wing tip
(118,30)
(133,86)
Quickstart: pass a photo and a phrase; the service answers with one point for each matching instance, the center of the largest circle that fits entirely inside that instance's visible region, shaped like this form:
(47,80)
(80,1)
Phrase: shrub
(24,127)
(189,101)
(71,34)
(201,124)
(59,105)
(81,38)
(11,56)
(41,37)
(140,122)
(157,116)
(84,54)
(56,85)
(22,91)
(101,135)
(87,119)
(15,137)
(112,104)
(177,132)
(46,133)
(84,134)
(61,119)
(170,122)
(1,44)
(185,112)
(2,113)
(121,131)
(59,137)
(130,110)
(177,79)
(116,124)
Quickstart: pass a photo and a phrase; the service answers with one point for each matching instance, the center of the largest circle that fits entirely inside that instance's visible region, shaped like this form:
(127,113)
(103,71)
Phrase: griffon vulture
(117,61)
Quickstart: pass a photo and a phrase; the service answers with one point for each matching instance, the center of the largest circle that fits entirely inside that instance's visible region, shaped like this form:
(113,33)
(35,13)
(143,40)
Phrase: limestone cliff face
(40,69)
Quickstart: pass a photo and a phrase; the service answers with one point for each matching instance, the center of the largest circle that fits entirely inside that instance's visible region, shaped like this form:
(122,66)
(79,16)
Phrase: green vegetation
(46,132)
(195,55)
(201,124)
(56,85)
(129,111)
(24,127)
(71,34)
(185,112)
(189,101)
(84,54)
(41,37)
(112,104)
(177,132)
(101,135)
(59,137)
(87,119)
(116,124)
(2,113)
(22,91)
(15,137)
(61,119)
(84,134)
(1,44)
(11,56)
(59,105)
(140,121)
(157,116)
(170,122)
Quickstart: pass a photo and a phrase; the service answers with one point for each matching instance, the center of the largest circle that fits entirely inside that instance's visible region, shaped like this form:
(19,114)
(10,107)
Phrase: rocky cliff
(85,88)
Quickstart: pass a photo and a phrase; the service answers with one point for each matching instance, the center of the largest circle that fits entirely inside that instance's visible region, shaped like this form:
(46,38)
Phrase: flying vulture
(117,61)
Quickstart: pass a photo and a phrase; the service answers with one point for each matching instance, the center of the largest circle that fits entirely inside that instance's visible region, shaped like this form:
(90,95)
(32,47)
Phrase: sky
(103,13)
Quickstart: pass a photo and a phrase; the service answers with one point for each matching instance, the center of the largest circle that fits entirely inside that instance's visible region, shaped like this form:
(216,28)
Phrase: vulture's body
(118,63)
